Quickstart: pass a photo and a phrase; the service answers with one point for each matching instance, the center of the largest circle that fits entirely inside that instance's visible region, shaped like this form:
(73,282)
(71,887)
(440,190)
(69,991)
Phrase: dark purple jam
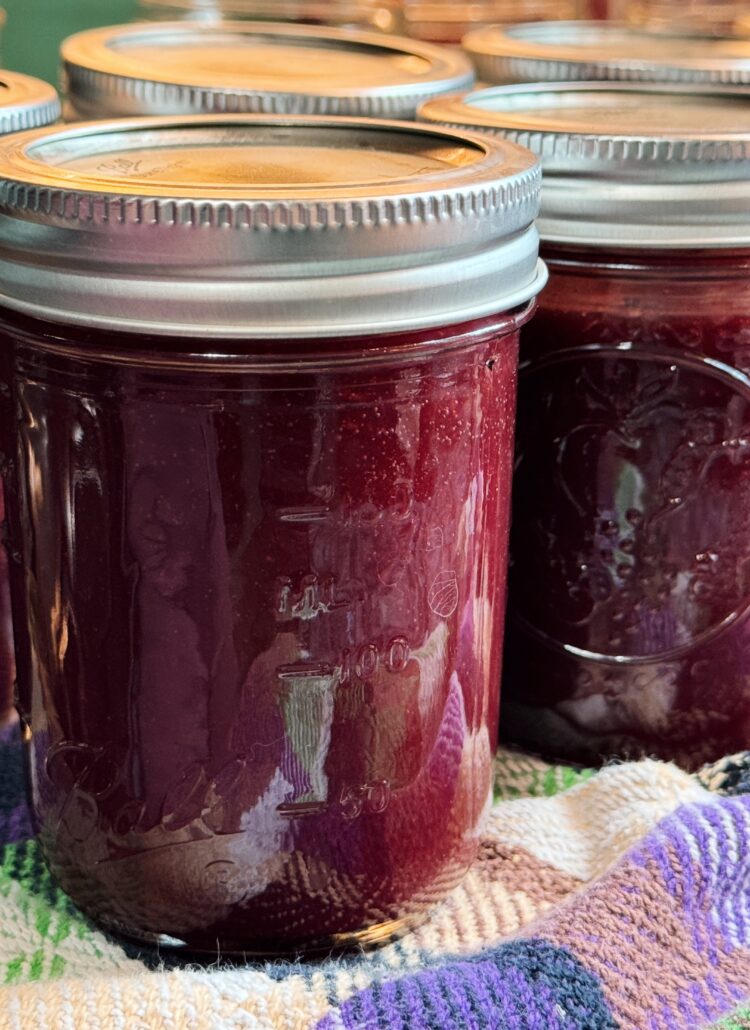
(628,629)
(259,596)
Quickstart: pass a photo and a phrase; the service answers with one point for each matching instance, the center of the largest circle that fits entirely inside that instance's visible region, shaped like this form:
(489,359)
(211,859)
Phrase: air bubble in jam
(629,603)
(264,710)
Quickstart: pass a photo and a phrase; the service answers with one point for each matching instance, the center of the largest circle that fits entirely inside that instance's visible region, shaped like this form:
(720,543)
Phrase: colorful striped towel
(619,899)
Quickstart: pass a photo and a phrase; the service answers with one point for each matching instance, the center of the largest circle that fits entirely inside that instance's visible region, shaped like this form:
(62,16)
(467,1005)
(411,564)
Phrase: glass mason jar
(380,15)
(25,103)
(596,50)
(258,500)
(629,603)
(443,21)
(184,68)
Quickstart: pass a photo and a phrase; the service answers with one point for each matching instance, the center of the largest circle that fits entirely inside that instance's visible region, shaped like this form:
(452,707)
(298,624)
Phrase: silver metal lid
(235,67)
(26,103)
(628,165)
(577,51)
(447,21)
(380,15)
(242,226)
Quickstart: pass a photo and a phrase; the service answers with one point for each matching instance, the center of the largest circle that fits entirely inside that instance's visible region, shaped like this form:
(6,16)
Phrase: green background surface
(35,29)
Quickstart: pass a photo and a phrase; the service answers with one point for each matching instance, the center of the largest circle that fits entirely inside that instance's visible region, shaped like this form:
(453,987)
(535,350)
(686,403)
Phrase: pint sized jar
(24,104)
(587,50)
(183,68)
(629,604)
(261,375)
(379,15)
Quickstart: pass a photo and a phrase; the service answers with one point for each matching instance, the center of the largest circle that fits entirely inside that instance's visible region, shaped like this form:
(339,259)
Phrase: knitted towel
(599,901)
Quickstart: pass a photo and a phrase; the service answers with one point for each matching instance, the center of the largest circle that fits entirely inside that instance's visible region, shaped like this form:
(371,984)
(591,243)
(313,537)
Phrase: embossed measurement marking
(303,515)
(370,798)
(314,596)
(301,809)
(361,663)
(354,511)
(304,670)
(354,801)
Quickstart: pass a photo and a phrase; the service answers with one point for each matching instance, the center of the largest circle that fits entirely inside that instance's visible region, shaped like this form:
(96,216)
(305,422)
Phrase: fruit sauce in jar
(629,607)
(260,498)
(25,103)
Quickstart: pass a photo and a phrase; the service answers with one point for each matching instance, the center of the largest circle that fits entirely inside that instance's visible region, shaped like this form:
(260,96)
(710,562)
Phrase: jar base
(369,939)
(549,736)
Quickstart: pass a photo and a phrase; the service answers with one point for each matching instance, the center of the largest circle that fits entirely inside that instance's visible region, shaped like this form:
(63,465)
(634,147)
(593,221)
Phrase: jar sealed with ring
(24,104)
(262,391)
(629,624)
(183,68)
(379,15)
(579,51)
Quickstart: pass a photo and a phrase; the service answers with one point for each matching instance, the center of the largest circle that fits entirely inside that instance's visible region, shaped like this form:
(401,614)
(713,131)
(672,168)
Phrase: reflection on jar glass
(24,103)
(380,15)
(629,602)
(260,496)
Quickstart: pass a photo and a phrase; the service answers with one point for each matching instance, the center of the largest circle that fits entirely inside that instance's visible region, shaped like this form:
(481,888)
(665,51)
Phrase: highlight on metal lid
(378,15)
(586,51)
(189,68)
(641,165)
(266,226)
(26,102)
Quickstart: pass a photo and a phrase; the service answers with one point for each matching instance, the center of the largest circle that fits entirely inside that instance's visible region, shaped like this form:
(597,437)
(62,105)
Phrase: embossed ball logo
(631,496)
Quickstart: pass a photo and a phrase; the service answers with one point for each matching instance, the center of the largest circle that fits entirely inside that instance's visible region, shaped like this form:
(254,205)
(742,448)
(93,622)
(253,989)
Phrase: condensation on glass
(263,411)
(254,67)
(598,50)
(25,102)
(629,602)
